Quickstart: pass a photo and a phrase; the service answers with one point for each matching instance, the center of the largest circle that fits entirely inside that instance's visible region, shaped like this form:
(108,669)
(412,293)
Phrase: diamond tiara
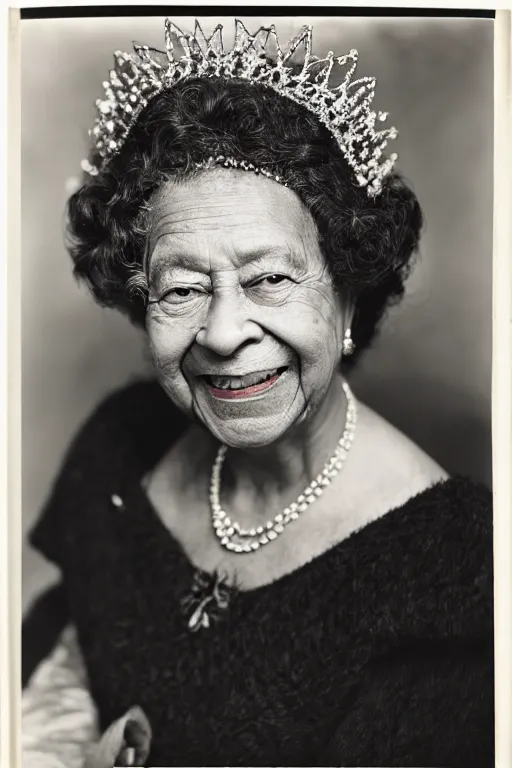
(345,110)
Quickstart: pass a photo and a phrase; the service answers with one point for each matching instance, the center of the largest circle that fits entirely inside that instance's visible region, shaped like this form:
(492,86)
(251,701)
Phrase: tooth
(241,382)
(252,379)
(220,382)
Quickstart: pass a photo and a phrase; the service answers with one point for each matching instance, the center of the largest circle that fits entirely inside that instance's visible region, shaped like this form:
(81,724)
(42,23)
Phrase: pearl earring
(348,344)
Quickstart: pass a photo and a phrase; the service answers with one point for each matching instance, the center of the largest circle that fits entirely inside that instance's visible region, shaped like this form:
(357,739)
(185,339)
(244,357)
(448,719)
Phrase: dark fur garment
(377,653)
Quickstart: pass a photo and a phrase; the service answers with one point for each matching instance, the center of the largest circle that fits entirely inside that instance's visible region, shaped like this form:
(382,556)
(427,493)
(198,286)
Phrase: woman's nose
(228,326)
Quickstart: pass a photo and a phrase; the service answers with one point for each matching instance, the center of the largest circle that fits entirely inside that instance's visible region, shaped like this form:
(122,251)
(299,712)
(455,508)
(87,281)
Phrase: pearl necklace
(237,539)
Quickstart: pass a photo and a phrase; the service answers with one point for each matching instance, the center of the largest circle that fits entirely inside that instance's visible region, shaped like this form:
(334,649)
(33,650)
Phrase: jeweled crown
(345,109)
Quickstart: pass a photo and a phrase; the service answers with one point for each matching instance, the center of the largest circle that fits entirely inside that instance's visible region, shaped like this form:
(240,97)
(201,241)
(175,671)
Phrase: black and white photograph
(256,389)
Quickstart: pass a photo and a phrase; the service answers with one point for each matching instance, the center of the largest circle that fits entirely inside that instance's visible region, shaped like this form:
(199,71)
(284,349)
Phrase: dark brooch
(209,597)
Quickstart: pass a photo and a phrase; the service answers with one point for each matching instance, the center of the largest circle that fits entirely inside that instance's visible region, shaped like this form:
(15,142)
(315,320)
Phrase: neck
(274,475)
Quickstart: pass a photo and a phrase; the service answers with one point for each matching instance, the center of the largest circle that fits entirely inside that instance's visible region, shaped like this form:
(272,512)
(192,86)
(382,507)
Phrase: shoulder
(137,420)
(402,469)
(399,468)
(124,436)
(439,546)
(447,518)
(127,433)
(425,569)
(431,535)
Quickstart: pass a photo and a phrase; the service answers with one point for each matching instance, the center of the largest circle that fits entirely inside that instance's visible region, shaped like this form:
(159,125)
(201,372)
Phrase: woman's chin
(253,421)
(249,436)
(249,430)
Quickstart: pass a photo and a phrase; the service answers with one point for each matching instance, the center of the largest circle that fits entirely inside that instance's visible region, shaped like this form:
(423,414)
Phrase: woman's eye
(270,280)
(271,288)
(181,294)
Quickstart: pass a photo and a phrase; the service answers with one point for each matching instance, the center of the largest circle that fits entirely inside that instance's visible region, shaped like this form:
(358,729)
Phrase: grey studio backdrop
(429,371)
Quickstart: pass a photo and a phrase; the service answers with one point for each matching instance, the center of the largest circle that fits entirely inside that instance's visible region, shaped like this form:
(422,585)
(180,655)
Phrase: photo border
(10,417)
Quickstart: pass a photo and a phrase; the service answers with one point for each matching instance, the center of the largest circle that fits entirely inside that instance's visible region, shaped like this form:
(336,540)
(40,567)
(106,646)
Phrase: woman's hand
(126,742)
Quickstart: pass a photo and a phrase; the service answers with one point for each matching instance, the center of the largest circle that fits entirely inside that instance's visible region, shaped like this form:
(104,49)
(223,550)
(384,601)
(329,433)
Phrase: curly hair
(368,243)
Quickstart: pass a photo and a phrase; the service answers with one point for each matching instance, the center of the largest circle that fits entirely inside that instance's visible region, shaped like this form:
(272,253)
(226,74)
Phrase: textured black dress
(377,653)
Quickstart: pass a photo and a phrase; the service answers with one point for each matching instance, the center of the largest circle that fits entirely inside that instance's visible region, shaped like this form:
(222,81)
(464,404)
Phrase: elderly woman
(257,569)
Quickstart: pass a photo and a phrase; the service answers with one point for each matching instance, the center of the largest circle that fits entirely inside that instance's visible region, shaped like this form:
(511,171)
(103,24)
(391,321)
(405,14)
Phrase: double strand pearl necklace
(237,539)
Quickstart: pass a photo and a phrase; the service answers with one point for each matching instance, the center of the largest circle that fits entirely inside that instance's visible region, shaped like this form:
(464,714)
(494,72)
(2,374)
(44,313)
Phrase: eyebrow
(188,262)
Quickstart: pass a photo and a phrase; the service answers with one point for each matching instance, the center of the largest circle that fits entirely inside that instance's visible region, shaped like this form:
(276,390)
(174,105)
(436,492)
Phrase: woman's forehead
(232,211)
(235,204)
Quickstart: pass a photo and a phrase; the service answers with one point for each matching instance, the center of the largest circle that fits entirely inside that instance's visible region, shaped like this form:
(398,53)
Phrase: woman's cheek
(169,342)
(312,325)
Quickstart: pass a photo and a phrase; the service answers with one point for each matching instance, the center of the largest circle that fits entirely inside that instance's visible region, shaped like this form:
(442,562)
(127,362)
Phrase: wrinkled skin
(237,284)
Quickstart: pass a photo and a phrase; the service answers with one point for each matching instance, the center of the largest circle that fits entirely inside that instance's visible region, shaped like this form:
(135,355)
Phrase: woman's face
(244,324)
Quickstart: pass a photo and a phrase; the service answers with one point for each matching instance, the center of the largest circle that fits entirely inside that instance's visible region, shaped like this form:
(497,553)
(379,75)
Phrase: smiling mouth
(237,387)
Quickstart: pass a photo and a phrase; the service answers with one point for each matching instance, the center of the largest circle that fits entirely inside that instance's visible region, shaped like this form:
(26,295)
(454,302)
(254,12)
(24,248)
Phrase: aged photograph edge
(10,558)
(502,386)
(10,672)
